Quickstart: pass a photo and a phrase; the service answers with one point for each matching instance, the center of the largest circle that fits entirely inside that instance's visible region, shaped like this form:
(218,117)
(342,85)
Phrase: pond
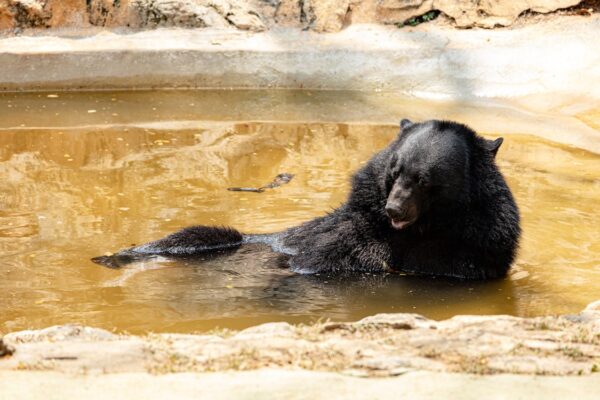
(83,174)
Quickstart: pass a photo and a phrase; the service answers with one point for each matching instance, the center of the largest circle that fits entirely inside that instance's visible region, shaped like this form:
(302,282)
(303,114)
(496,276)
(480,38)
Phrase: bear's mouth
(399,224)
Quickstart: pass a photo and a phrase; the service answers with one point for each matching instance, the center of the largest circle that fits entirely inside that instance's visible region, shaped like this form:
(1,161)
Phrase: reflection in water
(250,287)
(68,195)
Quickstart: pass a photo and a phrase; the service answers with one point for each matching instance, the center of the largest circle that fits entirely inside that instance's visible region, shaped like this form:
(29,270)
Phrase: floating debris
(279,180)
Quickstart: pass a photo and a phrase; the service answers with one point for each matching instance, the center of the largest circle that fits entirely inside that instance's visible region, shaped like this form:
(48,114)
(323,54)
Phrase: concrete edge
(437,61)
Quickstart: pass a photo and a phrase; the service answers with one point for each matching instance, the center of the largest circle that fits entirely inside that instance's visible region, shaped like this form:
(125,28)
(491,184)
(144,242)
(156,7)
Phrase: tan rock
(59,333)
(183,13)
(318,15)
(467,13)
(67,13)
(266,9)
(398,11)
(398,364)
(131,13)
(7,17)
(27,14)
(381,345)
(592,314)
(257,15)
(267,330)
(489,14)
(244,17)
(532,364)
(288,13)
(362,11)
(326,15)
(398,321)
(197,14)
(112,14)
(77,356)
(593,307)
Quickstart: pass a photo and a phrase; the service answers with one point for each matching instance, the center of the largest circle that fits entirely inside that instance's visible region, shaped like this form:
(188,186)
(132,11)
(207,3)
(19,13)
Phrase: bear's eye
(421,181)
(399,170)
(389,182)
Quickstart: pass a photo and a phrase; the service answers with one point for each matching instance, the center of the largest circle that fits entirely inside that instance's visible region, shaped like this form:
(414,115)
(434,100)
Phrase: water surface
(79,184)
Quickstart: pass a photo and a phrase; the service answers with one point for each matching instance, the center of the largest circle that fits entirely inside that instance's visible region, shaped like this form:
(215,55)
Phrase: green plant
(414,21)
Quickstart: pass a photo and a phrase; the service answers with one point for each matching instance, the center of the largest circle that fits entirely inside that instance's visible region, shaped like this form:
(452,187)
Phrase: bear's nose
(394,212)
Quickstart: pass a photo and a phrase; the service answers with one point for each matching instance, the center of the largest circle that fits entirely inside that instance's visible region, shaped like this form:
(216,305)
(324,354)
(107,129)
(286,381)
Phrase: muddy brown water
(85,174)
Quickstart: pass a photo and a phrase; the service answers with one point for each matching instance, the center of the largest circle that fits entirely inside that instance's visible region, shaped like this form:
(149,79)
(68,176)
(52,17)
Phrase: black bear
(432,202)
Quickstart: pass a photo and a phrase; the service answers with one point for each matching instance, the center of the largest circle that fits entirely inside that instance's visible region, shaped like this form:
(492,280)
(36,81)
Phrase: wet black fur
(186,242)
(466,226)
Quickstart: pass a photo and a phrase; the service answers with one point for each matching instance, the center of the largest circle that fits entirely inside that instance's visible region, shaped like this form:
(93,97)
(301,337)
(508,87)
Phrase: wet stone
(60,333)
(398,321)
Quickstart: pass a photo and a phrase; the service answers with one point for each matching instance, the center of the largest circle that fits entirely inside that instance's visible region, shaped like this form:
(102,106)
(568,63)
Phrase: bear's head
(429,167)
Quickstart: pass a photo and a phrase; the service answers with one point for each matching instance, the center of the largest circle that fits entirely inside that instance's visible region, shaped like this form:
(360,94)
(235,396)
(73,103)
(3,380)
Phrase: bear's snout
(395,211)
(401,214)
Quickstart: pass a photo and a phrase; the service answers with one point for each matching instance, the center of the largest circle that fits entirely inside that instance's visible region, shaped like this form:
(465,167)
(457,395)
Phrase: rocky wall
(259,15)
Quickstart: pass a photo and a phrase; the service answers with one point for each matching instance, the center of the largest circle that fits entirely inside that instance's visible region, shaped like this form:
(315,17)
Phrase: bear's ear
(405,123)
(493,145)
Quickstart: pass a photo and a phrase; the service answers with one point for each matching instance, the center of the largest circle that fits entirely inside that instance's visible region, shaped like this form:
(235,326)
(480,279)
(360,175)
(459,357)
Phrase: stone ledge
(555,58)
(379,346)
